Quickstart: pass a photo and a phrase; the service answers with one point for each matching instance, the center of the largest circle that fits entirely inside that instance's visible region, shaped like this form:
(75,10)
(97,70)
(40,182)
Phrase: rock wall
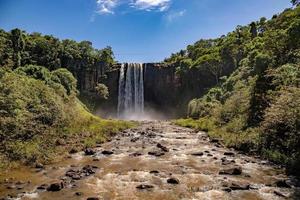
(165,92)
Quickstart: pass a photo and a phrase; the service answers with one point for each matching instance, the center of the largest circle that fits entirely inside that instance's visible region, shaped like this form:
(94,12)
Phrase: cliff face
(165,92)
(161,86)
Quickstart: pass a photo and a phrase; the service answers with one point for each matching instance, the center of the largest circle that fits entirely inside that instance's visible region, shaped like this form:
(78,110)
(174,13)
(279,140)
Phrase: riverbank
(156,160)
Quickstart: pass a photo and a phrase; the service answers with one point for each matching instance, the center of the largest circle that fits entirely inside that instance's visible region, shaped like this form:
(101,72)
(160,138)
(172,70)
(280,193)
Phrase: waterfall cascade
(131,91)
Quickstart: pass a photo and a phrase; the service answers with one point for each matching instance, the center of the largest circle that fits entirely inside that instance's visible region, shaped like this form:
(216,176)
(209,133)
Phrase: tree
(107,55)
(295,2)
(212,63)
(18,45)
(253,29)
(66,79)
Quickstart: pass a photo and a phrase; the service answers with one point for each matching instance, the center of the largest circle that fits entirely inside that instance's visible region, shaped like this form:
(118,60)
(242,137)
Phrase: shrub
(66,79)
(280,128)
(102,91)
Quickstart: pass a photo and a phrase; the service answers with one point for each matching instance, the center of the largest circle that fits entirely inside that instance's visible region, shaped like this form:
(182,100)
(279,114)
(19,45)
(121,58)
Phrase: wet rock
(226,162)
(280,194)
(228,153)
(136,154)
(107,152)
(89,169)
(282,184)
(156,153)
(239,186)
(54,187)
(256,186)
(173,181)
(197,154)
(74,174)
(134,139)
(163,148)
(39,166)
(144,187)
(89,152)
(78,174)
(92,198)
(20,187)
(214,140)
(43,187)
(236,170)
(78,193)
(227,189)
(264,162)
(10,187)
(180,138)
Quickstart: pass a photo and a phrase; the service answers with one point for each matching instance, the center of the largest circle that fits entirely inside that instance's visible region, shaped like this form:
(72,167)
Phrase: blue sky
(137,30)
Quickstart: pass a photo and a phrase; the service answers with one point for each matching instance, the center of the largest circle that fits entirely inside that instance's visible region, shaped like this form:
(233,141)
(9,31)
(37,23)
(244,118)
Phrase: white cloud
(174,15)
(149,5)
(106,6)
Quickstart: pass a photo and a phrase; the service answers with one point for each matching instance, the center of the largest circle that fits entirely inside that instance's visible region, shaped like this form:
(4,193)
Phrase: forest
(236,135)
(256,107)
(39,105)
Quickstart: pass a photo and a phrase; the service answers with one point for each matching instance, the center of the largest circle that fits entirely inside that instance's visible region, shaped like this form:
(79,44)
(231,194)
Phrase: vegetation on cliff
(41,116)
(257,106)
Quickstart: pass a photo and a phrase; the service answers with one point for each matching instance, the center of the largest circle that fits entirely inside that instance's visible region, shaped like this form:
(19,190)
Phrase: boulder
(163,148)
(154,172)
(43,187)
(235,170)
(282,183)
(107,152)
(228,153)
(156,153)
(39,166)
(89,152)
(134,139)
(54,187)
(78,193)
(136,154)
(239,186)
(92,198)
(173,181)
(144,187)
(197,154)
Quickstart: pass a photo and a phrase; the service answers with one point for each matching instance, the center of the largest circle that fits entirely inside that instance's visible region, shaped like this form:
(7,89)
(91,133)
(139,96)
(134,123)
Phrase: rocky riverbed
(156,160)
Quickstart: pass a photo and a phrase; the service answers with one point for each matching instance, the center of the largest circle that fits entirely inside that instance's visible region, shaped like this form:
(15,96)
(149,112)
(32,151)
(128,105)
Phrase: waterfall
(131,91)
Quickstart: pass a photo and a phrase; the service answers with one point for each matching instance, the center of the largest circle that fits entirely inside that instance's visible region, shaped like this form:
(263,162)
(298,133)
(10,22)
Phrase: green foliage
(36,72)
(102,91)
(18,48)
(256,107)
(35,117)
(280,129)
(202,124)
(66,79)
(28,107)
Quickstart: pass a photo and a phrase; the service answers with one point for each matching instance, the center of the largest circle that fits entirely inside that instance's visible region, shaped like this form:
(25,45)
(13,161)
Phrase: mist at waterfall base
(131,103)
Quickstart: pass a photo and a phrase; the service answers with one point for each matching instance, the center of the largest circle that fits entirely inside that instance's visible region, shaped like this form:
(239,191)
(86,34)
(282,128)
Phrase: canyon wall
(165,91)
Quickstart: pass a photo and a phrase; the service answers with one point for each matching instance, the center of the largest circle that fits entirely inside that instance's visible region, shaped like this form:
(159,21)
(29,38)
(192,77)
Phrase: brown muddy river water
(156,160)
